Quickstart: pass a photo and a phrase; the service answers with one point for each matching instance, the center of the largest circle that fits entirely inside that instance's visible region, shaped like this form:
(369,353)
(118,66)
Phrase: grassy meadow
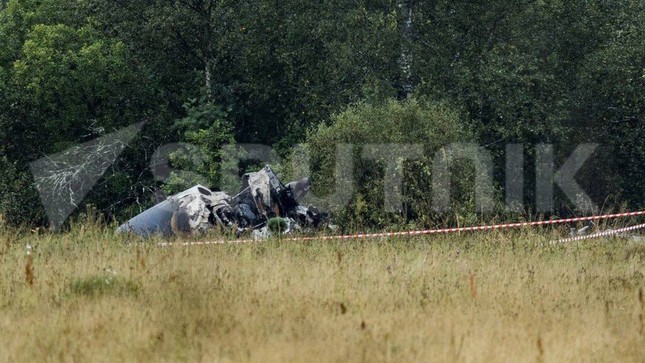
(88,295)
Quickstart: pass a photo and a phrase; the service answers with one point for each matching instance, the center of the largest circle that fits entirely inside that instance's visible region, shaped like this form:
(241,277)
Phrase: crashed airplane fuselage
(199,209)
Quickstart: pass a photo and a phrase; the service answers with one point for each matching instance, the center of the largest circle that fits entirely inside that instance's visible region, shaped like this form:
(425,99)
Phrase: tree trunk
(207,19)
(208,79)
(405,28)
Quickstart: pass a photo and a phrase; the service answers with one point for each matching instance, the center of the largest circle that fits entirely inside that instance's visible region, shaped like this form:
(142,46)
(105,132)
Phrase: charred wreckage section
(264,206)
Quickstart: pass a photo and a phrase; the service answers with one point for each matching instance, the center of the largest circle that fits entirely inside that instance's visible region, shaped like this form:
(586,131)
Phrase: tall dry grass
(89,296)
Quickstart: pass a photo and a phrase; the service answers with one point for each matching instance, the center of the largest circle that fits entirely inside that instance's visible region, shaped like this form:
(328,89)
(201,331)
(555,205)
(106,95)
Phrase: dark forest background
(280,73)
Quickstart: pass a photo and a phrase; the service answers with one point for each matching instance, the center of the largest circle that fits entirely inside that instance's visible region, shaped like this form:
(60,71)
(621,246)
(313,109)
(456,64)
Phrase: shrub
(430,125)
(207,131)
(20,203)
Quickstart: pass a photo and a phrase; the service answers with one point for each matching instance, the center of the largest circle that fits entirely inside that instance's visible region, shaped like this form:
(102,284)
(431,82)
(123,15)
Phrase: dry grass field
(86,295)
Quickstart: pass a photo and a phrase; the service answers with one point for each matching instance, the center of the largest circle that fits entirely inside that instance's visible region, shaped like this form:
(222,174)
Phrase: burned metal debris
(264,206)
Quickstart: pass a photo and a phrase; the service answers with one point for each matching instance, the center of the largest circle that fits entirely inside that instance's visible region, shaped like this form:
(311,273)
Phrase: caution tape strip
(600,234)
(423,232)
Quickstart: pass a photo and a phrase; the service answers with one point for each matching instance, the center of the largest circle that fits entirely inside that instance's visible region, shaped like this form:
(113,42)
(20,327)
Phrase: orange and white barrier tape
(429,231)
(600,234)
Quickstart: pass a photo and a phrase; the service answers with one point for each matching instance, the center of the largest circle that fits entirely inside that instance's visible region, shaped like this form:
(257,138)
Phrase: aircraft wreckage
(264,205)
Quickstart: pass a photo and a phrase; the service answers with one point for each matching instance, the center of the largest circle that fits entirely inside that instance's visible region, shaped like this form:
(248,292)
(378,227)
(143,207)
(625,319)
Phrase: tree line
(280,73)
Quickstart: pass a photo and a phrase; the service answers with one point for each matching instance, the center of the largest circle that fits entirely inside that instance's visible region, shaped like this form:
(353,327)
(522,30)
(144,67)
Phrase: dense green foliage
(420,129)
(209,72)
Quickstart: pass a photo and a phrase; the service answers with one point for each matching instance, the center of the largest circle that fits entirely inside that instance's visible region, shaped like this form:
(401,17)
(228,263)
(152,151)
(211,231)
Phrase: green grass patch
(103,285)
